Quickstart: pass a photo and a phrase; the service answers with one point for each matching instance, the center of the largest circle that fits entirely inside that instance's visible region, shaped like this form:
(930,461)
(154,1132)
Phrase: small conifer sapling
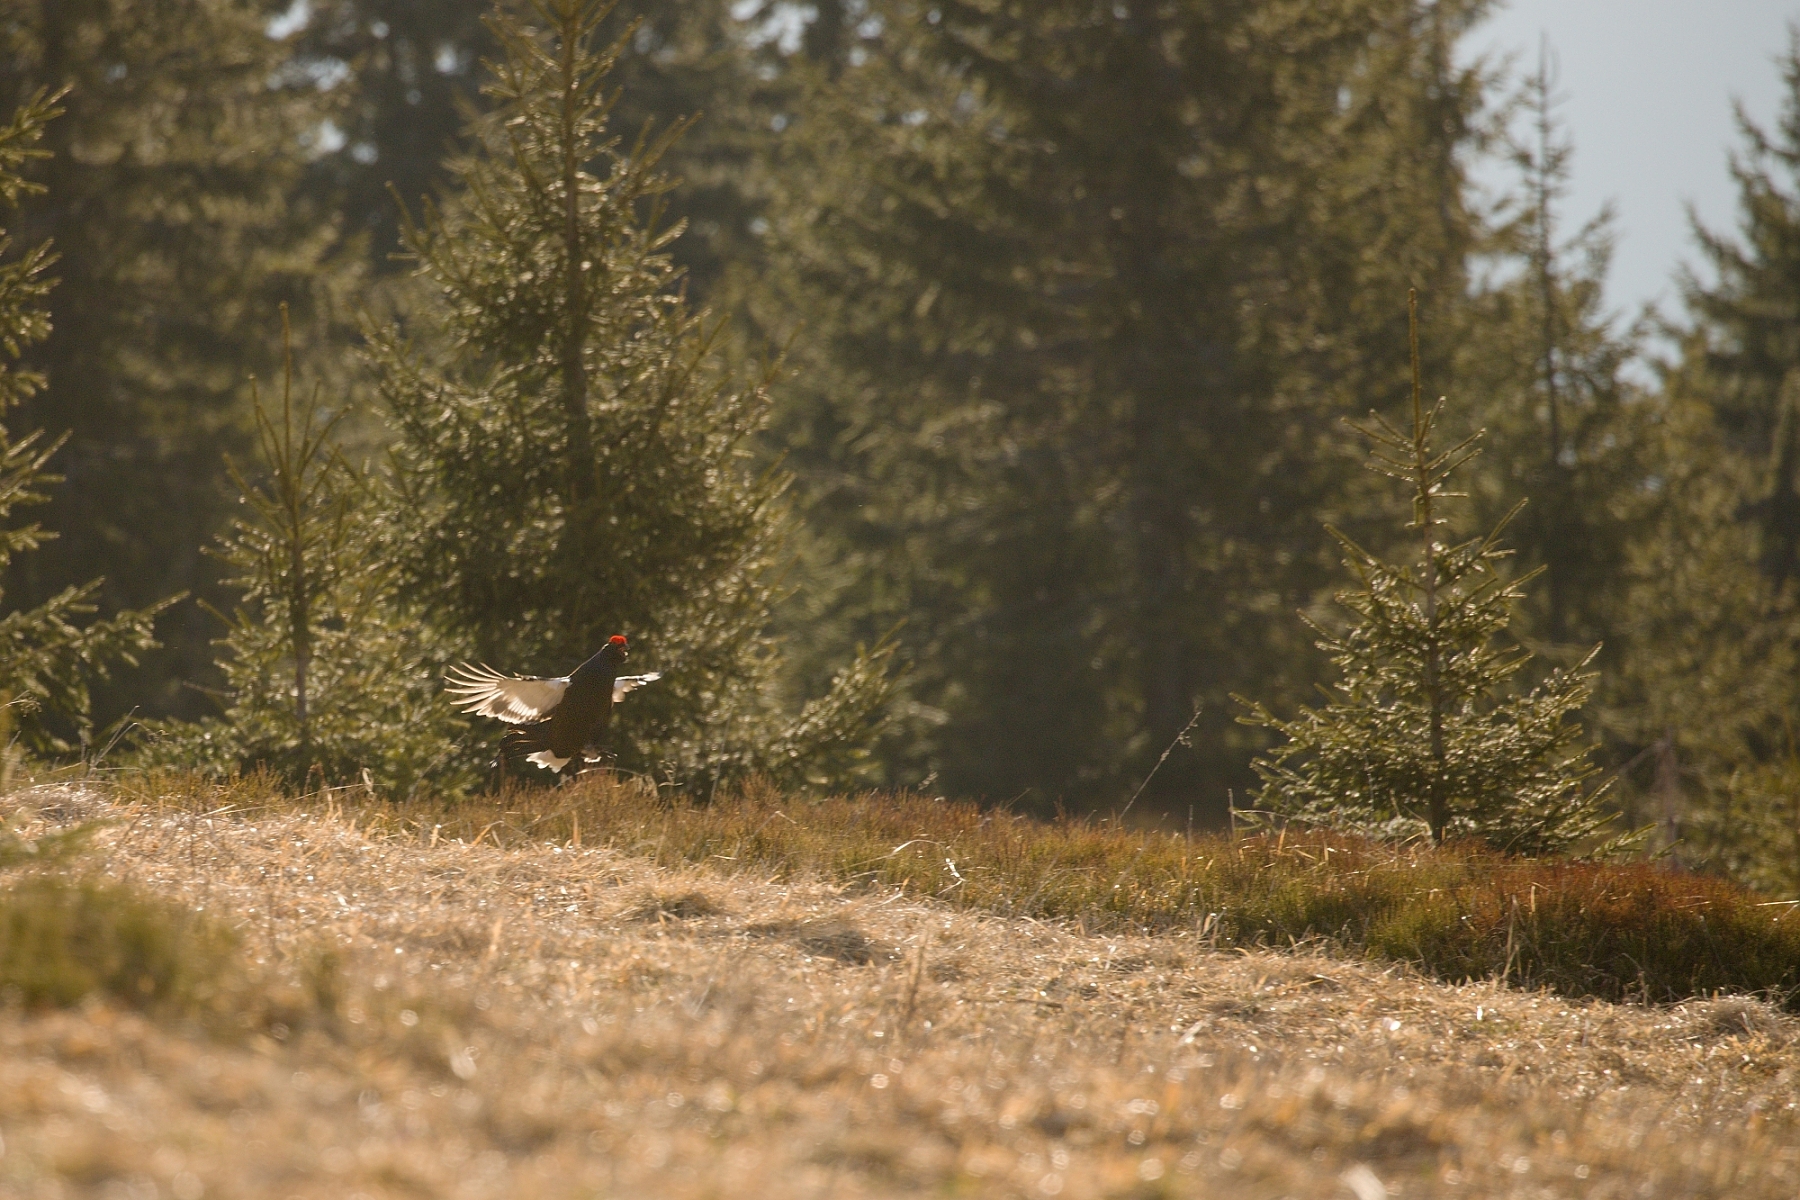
(325,670)
(1426,730)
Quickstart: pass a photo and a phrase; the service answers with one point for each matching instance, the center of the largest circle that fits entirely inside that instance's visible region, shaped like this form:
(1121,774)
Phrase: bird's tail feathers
(528,743)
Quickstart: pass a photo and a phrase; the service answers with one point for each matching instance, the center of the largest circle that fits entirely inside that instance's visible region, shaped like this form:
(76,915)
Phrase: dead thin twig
(1180,740)
(912,986)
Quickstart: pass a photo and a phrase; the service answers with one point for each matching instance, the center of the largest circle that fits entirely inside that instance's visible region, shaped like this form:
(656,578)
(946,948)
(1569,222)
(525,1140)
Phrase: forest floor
(548,1020)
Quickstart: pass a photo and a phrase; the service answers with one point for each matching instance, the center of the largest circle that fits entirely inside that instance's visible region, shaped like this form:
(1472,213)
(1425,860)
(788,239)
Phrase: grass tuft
(63,940)
(688,906)
(827,939)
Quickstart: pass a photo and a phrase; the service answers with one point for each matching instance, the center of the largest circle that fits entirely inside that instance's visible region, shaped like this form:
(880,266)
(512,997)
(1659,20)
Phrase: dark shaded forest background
(1070,300)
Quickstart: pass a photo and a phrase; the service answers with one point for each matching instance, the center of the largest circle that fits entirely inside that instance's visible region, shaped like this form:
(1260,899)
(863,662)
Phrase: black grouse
(557,719)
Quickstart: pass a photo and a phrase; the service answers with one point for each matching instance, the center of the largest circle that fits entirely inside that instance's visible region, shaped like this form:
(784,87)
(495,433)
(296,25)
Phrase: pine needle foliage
(1426,731)
(324,674)
(1565,424)
(290,554)
(44,849)
(47,658)
(573,460)
(175,200)
(64,940)
(1712,592)
(1082,289)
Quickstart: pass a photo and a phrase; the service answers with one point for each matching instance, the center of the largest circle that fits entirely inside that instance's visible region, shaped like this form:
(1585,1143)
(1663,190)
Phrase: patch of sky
(1651,86)
(290,20)
(321,73)
(450,59)
(327,73)
(325,138)
(780,23)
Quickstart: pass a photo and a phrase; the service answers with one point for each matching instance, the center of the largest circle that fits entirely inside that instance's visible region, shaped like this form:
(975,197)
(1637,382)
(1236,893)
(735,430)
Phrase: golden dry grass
(1614,930)
(542,1020)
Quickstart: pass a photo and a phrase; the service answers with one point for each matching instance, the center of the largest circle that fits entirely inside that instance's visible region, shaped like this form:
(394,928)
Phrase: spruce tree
(1710,668)
(1425,732)
(1080,289)
(327,679)
(572,461)
(1748,327)
(404,77)
(172,197)
(400,75)
(49,653)
(1712,586)
(1564,425)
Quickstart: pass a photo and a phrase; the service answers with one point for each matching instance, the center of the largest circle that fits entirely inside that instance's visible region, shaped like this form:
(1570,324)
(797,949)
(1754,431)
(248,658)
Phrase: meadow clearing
(534,1004)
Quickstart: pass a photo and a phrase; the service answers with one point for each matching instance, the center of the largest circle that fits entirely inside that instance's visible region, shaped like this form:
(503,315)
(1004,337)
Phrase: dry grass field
(418,1010)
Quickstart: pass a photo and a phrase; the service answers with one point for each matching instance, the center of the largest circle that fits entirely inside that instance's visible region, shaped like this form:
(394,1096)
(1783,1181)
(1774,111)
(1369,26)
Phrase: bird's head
(617,650)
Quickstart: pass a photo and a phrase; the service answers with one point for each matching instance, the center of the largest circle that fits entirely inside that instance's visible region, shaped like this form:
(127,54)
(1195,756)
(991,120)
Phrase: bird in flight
(555,720)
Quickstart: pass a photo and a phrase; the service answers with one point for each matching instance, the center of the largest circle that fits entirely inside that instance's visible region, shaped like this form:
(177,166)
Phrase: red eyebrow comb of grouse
(617,639)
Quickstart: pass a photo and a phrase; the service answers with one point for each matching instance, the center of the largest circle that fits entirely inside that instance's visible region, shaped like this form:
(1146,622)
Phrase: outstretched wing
(516,699)
(624,685)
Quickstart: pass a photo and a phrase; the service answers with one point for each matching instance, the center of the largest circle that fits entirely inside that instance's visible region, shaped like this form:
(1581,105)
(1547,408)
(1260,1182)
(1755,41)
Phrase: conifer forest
(972,397)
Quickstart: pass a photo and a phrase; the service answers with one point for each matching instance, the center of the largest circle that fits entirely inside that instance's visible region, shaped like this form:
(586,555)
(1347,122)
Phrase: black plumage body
(556,719)
(580,720)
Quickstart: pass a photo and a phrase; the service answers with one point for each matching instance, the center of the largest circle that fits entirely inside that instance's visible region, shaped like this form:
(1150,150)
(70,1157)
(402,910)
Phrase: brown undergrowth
(1617,931)
(525,1016)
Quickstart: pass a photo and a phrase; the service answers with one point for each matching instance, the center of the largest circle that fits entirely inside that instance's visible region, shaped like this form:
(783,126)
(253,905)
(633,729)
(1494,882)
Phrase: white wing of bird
(624,685)
(516,699)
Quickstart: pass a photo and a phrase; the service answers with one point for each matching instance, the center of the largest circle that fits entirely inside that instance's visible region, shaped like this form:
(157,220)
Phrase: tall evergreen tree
(1564,426)
(1706,666)
(1084,288)
(1750,319)
(406,76)
(171,197)
(1719,627)
(50,652)
(402,75)
(572,461)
